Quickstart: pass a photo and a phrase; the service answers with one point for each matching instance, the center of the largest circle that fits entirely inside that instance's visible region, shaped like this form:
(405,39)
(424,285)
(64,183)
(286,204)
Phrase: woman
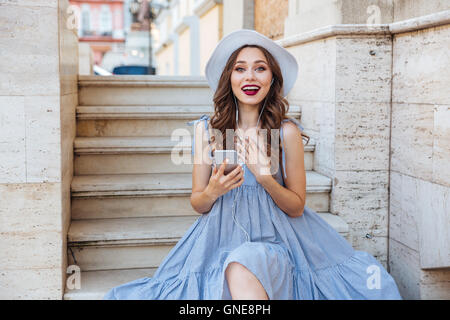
(256,239)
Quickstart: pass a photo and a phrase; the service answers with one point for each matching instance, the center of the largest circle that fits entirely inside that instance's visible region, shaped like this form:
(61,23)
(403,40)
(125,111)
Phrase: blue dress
(293,258)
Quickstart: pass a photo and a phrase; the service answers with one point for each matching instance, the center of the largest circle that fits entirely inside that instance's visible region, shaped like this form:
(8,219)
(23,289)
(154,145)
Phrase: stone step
(134,155)
(144,90)
(109,244)
(131,120)
(167,112)
(142,195)
(95,284)
(159,184)
(154,206)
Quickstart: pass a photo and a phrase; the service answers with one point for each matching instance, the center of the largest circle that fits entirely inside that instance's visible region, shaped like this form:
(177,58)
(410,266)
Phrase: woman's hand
(254,155)
(219,183)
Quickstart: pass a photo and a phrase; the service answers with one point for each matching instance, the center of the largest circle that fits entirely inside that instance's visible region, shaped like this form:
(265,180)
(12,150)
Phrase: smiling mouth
(250,90)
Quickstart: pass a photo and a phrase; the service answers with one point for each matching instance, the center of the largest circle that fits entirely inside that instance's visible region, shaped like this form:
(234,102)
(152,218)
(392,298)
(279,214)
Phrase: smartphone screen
(221,155)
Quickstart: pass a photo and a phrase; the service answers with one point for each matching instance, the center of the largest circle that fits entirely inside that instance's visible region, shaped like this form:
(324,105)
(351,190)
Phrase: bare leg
(243,283)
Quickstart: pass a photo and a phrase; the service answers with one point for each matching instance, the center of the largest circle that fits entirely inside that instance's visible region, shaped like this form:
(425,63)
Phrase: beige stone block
(361,199)
(68,132)
(376,246)
(404,214)
(30,3)
(317,71)
(358,11)
(66,207)
(28,22)
(323,120)
(12,140)
(86,59)
(309,114)
(130,127)
(362,136)
(22,27)
(361,76)
(25,58)
(24,84)
(133,92)
(31,284)
(37,249)
(407,9)
(420,219)
(419,60)
(412,139)
(435,284)
(43,126)
(441,145)
(404,268)
(68,50)
(433,202)
(309,15)
(30,207)
(91,258)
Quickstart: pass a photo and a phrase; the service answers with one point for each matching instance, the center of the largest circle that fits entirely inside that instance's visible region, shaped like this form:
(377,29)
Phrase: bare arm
(290,199)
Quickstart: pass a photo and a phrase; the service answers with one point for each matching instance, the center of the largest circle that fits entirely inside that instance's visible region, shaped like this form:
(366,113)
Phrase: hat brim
(234,40)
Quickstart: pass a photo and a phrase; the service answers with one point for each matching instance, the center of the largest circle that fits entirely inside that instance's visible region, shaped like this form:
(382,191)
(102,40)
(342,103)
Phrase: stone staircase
(130,202)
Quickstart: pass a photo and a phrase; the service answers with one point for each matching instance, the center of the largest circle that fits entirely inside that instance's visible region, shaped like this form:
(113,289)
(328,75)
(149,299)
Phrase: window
(105,20)
(85,20)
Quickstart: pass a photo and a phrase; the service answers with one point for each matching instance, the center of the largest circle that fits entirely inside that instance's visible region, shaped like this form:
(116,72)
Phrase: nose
(250,74)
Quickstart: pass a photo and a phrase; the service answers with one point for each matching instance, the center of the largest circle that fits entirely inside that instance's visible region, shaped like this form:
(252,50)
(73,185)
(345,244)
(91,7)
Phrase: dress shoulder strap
(283,156)
(205,119)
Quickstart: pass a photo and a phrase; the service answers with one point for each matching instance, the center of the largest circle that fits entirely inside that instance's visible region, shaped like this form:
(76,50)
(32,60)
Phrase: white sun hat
(234,40)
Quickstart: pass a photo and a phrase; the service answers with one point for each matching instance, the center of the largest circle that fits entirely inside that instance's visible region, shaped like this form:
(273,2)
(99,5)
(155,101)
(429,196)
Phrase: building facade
(101,24)
(190,29)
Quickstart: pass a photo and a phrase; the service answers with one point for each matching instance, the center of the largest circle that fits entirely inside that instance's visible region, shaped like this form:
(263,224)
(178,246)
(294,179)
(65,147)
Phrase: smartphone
(231,155)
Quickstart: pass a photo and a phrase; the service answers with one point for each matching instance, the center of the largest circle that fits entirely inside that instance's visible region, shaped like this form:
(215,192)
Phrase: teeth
(250,88)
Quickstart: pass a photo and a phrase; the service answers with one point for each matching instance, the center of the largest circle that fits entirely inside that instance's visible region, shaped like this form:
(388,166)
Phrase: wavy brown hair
(225,109)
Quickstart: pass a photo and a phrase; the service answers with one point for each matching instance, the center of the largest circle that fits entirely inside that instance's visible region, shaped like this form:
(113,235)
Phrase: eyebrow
(257,61)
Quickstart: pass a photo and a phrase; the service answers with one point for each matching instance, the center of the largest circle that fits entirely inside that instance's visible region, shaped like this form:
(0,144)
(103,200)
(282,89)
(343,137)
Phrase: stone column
(375,99)
(344,91)
(344,88)
(195,45)
(419,244)
(38,96)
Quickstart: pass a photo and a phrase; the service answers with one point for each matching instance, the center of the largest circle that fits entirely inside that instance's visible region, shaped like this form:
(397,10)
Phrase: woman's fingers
(226,179)
(233,181)
(222,168)
(237,184)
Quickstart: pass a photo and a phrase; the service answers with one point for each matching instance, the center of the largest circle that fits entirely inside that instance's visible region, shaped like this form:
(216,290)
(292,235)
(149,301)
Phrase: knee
(238,274)
(234,269)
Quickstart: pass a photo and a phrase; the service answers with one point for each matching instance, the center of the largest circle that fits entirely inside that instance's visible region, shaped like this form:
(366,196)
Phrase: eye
(261,68)
(239,68)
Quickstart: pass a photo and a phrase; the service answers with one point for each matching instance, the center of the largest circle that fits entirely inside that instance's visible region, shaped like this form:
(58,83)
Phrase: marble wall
(38,95)
(376,101)
(420,163)
(344,91)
